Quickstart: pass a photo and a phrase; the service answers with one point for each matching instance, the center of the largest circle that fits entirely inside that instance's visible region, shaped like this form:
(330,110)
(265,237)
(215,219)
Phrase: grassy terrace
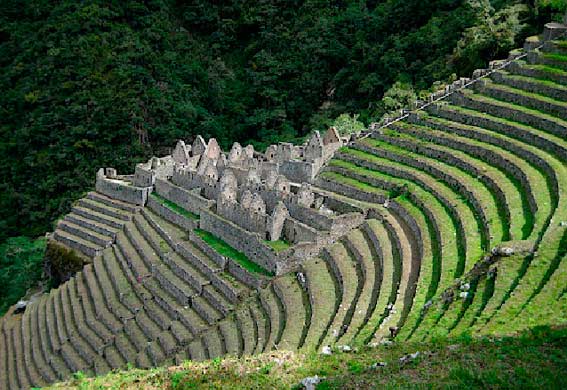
(498,226)
(534,98)
(532,80)
(539,181)
(226,250)
(515,203)
(504,104)
(530,273)
(174,206)
(521,216)
(534,360)
(430,268)
(279,245)
(386,292)
(555,57)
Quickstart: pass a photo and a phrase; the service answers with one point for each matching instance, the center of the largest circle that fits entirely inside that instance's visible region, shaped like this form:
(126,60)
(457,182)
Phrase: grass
(555,57)
(226,250)
(534,360)
(174,206)
(279,245)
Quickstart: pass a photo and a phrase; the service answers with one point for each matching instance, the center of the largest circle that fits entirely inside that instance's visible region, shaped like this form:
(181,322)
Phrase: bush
(21,267)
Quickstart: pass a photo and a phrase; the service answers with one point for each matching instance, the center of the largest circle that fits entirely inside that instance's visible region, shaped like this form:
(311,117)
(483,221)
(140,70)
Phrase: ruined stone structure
(450,219)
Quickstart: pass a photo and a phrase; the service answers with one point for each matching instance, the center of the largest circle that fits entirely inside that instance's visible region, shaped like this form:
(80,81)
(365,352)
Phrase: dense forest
(95,83)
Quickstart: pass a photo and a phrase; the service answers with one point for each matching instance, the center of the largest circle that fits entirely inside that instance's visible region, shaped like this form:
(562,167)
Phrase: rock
(463,295)
(345,348)
(20,307)
(393,331)
(465,287)
(326,350)
(311,382)
(406,358)
(563,223)
(386,342)
(301,279)
(376,365)
(453,347)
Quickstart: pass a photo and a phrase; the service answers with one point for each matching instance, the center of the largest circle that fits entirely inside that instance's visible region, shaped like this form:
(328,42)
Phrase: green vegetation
(21,262)
(279,245)
(535,359)
(174,206)
(226,250)
(93,84)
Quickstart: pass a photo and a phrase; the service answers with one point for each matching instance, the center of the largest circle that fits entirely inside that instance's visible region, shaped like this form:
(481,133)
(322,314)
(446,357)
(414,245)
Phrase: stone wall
(171,216)
(121,190)
(189,200)
(250,244)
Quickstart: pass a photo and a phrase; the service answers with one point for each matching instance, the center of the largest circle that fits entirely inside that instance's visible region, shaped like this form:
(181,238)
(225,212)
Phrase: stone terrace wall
(184,198)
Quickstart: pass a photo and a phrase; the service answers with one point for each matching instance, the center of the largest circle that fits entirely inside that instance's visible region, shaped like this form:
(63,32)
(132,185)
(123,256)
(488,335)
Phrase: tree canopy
(108,83)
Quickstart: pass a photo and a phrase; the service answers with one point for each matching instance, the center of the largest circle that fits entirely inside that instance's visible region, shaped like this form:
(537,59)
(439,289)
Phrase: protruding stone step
(104,209)
(197,351)
(289,291)
(213,341)
(88,235)
(110,202)
(93,215)
(231,336)
(90,224)
(72,241)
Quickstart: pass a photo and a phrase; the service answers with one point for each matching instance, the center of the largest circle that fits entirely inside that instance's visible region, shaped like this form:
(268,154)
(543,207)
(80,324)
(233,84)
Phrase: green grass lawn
(174,206)
(226,250)
(279,245)
(534,360)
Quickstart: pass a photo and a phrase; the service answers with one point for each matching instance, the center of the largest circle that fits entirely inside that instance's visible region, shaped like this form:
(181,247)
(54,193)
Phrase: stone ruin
(246,198)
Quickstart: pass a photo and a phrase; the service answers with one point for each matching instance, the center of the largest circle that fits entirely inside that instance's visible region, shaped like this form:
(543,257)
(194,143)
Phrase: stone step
(530,84)
(97,343)
(217,300)
(150,329)
(73,360)
(143,360)
(535,101)
(247,329)
(22,369)
(90,214)
(384,251)
(206,270)
(3,358)
(88,235)
(359,250)
(12,364)
(205,310)
(55,305)
(539,72)
(104,209)
(110,202)
(114,358)
(550,59)
(197,350)
(112,300)
(181,333)
(136,336)
(232,338)
(125,291)
(155,353)
(74,242)
(290,293)
(511,111)
(90,224)
(167,254)
(214,343)
(344,271)
(100,308)
(168,343)
(324,295)
(125,348)
(262,325)
(91,319)
(31,336)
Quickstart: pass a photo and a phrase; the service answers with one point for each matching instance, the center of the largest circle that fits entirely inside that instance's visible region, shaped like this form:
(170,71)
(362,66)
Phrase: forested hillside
(107,83)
